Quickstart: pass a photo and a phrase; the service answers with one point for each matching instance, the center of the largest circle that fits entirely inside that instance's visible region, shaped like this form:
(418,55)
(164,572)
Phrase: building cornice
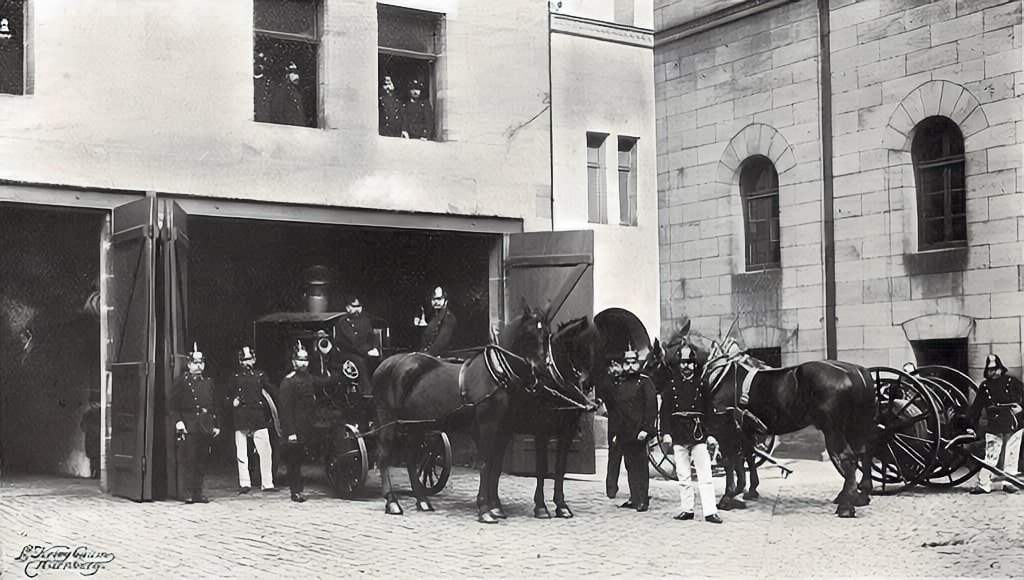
(714,20)
(599,30)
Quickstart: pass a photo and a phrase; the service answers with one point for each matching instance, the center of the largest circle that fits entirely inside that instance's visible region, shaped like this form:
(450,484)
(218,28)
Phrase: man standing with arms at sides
(250,388)
(632,413)
(438,332)
(684,408)
(195,423)
(298,407)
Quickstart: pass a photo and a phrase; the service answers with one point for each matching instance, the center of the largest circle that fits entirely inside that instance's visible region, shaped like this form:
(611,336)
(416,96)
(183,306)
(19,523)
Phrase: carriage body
(342,441)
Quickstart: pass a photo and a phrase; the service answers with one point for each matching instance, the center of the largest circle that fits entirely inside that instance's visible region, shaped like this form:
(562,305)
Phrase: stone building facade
(894,129)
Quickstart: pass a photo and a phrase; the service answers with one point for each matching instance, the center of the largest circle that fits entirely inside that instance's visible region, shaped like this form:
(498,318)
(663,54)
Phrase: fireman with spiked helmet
(253,413)
(298,408)
(195,423)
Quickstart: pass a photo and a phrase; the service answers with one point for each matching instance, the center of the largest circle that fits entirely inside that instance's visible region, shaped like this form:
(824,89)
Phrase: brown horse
(555,408)
(416,392)
(836,397)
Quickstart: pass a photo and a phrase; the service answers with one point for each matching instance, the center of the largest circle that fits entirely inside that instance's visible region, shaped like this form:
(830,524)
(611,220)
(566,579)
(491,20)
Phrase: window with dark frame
(596,206)
(409,43)
(627,181)
(938,156)
(12,47)
(759,186)
(286,43)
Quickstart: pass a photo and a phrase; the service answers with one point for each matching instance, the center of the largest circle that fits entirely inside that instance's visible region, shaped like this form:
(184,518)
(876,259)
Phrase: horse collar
(502,372)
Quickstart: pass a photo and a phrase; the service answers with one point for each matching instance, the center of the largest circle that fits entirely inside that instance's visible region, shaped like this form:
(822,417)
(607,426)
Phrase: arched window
(938,155)
(759,185)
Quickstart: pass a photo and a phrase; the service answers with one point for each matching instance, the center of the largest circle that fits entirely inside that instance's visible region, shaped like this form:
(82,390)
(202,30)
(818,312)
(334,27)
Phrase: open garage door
(555,266)
(172,283)
(133,348)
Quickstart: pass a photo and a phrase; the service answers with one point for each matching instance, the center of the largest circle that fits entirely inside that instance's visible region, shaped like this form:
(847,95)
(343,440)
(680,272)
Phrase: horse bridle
(560,380)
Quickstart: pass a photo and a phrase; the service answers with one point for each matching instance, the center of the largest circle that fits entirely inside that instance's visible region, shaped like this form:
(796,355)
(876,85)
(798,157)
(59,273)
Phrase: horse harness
(715,374)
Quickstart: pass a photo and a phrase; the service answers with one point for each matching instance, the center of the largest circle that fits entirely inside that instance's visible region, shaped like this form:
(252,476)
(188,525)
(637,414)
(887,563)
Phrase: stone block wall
(747,87)
(894,64)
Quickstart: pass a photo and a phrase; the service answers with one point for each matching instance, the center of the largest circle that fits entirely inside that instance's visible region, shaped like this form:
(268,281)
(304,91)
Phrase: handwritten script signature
(82,559)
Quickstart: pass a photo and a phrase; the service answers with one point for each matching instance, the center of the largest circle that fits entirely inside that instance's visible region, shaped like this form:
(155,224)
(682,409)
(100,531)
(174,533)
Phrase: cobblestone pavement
(790,532)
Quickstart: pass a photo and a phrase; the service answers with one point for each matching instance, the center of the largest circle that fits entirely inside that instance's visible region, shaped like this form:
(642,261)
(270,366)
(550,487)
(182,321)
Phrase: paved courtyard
(791,532)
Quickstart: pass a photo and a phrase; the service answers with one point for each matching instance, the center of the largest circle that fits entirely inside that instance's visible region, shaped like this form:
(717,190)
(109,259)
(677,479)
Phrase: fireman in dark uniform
(632,412)
(685,406)
(195,423)
(438,331)
(298,408)
(417,114)
(287,106)
(357,343)
(1000,401)
(389,115)
(250,389)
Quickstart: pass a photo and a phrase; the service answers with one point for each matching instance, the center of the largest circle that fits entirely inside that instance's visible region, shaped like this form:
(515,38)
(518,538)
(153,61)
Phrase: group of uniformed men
(632,404)
(257,405)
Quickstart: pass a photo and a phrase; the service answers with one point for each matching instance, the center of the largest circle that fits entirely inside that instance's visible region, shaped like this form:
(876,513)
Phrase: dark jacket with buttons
(297,404)
(191,395)
(632,407)
(252,413)
(684,409)
(437,336)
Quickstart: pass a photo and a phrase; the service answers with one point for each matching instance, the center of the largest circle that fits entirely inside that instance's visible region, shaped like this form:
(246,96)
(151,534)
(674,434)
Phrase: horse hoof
(541,512)
(752,495)
(424,506)
(392,508)
(498,513)
(846,511)
(563,512)
(863,499)
(487,518)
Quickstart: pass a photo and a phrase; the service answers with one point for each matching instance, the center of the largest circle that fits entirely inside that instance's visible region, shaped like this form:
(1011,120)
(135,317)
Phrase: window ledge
(936,261)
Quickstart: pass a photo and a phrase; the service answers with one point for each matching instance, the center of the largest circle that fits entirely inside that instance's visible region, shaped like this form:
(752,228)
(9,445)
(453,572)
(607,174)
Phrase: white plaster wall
(604,10)
(157,95)
(608,87)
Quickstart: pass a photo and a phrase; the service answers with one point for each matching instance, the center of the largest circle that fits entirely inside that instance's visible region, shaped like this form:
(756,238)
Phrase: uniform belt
(201,410)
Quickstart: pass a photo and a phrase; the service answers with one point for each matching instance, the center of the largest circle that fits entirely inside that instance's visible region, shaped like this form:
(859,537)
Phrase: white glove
(641,436)
(235,402)
(216,431)
(180,427)
(373,352)
(293,437)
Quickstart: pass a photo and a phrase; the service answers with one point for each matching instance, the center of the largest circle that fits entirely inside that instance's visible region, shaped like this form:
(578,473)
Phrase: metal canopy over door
(133,348)
(555,266)
(174,345)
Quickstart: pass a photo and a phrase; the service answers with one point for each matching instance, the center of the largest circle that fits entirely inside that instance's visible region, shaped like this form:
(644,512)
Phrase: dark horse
(416,392)
(836,397)
(555,408)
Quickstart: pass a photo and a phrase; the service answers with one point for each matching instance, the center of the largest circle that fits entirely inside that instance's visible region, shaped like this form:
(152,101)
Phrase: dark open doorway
(950,352)
(49,339)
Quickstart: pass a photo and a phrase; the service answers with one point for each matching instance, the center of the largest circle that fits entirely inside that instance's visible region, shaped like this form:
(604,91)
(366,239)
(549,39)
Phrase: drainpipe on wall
(551,117)
(828,241)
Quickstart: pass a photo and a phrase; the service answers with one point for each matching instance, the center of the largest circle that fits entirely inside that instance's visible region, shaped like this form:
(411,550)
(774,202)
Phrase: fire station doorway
(50,359)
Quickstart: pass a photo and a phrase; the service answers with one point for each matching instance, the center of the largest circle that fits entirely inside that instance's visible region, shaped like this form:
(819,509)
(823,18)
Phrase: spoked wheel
(664,463)
(435,464)
(910,431)
(952,390)
(347,463)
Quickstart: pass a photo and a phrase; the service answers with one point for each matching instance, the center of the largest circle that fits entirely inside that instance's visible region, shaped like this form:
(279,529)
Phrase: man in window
(390,109)
(286,106)
(417,114)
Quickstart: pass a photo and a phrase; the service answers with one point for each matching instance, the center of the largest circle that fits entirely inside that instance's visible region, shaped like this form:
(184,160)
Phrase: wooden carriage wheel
(347,463)
(910,425)
(435,464)
(954,391)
